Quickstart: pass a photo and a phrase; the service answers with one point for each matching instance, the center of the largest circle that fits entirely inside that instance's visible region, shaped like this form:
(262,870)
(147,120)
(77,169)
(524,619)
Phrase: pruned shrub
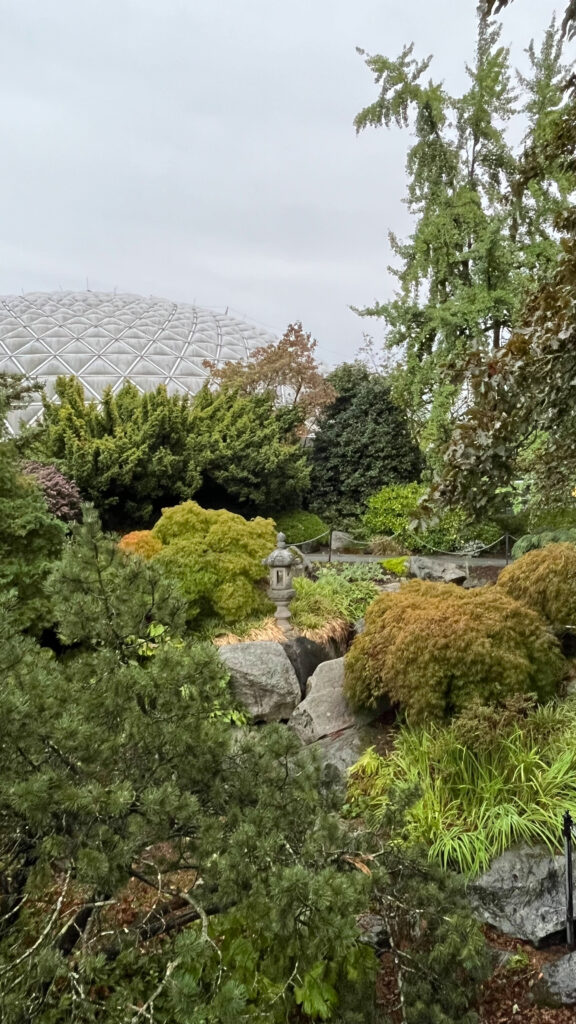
(432,648)
(216,556)
(394,512)
(301,526)
(60,494)
(535,541)
(141,542)
(545,581)
(397,566)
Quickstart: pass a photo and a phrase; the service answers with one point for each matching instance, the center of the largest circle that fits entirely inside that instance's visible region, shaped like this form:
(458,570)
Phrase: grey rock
(557,986)
(436,571)
(373,931)
(359,627)
(262,679)
(342,541)
(391,588)
(522,894)
(338,753)
(305,656)
(325,709)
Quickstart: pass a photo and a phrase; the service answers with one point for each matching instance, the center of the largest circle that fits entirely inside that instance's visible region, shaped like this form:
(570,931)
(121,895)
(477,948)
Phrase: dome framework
(106,339)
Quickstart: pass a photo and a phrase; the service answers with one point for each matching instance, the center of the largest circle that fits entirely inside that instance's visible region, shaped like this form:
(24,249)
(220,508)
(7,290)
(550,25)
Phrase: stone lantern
(281,566)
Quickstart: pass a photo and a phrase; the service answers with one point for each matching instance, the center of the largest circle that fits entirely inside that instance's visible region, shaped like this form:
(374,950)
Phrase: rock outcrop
(263,679)
(522,894)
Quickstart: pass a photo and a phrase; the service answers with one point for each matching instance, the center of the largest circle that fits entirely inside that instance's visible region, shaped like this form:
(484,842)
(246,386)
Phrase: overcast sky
(203,150)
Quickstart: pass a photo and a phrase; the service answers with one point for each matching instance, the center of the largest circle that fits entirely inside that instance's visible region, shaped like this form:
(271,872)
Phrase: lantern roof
(281,557)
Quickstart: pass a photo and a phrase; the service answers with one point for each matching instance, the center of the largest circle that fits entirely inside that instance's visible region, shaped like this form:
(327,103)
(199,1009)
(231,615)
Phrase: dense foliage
(331,596)
(61,495)
(545,581)
(214,555)
(491,778)
(136,452)
(468,267)
(533,541)
(433,647)
(395,511)
(149,858)
(286,369)
(299,526)
(30,536)
(440,956)
(524,392)
(362,443)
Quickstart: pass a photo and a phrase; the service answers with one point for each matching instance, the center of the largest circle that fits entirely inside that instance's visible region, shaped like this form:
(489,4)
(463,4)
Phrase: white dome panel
(108,339)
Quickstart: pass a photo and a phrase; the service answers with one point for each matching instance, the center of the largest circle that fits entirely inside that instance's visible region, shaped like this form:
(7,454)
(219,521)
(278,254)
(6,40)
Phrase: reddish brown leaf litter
(507,998)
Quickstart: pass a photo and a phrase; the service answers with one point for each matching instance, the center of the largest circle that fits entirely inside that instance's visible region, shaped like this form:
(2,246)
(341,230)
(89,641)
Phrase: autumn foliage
(141,542)
(433,647)
(545,581)
(287,368)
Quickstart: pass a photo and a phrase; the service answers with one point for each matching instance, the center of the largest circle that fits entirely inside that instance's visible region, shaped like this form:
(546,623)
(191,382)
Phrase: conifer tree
(30,537)
(361,444)
(135,453)
(466,271)
(154,864)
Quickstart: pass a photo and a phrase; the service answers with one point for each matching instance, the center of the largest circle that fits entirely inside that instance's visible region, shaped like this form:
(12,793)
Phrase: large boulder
(338,753)
(557,983)
(522,894)
(436,571)
(305,656)
(325,709)
(262,679)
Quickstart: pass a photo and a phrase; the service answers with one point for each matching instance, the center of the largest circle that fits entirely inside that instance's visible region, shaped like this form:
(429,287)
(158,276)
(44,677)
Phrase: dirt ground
(508,996)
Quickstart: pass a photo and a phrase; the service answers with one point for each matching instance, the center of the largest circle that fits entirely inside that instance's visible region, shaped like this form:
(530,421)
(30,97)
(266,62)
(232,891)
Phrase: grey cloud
(205,150)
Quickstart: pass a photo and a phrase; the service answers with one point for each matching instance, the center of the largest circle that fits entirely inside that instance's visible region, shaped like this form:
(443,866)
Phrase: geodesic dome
(108,339)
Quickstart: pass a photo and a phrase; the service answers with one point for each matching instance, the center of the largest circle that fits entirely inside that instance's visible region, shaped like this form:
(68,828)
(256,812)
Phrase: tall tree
(466,270)
(288,369)
(522,398)
(361,444)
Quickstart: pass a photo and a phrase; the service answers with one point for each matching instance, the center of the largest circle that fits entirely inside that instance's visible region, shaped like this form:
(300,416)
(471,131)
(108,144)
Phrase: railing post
(330,546)
(507,547)
(567,833)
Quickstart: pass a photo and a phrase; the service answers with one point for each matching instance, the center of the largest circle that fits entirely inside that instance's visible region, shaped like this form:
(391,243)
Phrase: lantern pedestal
(281,565)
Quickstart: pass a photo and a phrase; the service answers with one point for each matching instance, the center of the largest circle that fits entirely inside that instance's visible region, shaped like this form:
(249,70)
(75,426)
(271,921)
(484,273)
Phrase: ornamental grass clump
(432,648)
(331,597)
(545,581)
(491,778)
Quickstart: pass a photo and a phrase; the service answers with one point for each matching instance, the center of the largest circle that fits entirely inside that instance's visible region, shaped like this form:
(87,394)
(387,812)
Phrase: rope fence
(471,550)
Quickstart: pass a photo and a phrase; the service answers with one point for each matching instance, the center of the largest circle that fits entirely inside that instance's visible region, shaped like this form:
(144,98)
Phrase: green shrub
(535,541)
(300,526)
(432,648)
(491,778)
(330,597)
(352,572)
(215,556)
(545,581)
(394,512)
(557,517)
(397,566)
